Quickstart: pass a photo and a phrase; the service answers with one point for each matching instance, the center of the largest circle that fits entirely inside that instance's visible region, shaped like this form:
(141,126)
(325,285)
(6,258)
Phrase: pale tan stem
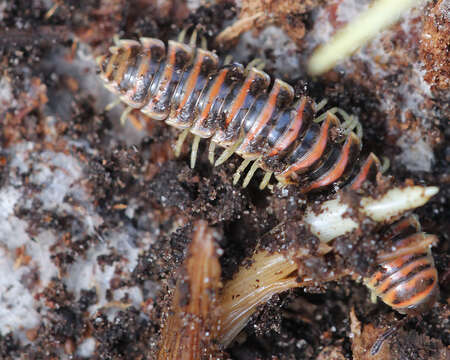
(239,27)
(268,274)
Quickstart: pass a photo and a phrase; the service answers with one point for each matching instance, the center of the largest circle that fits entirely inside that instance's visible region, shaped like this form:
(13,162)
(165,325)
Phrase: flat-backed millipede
(238,110)
(406,278)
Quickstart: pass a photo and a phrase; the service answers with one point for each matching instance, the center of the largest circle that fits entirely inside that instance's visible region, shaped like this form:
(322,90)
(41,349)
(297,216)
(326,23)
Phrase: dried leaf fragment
(258,14)
(363,337)
(268,274)
(192,325)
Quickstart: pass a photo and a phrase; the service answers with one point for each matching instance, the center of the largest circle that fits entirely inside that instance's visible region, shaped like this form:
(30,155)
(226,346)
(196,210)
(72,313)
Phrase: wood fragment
(192,325)
(269,274)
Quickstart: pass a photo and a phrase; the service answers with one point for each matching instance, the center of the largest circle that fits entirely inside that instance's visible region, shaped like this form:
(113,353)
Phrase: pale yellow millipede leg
(350,121)
(265,180)
(239,171)
(250,173)
(225,155)
(204,43)
(256,63)
(194,150)
(385,164)
(320,105)
(124,116)
(180,142)
(112,104)
(113,49)
(261,66)
(228,152)
(228,59)
(281,183)
(193,40)
(182,35)
(116,40)
(359,130)
(98,59)
(323,116)
(212,148)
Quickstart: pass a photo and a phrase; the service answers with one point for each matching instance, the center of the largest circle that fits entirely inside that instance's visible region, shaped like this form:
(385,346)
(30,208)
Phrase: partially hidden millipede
(406,278)
(239,110)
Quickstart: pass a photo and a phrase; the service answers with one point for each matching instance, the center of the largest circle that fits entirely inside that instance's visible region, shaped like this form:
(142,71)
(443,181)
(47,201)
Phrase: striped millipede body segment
(238,109)
(406,278)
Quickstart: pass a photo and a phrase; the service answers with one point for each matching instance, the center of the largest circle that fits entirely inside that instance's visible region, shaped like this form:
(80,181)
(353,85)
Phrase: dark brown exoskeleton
(406,278)
(239,109)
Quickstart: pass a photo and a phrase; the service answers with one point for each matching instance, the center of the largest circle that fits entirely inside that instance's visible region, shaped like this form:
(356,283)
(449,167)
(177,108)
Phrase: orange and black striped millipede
(240,110)
(406,278)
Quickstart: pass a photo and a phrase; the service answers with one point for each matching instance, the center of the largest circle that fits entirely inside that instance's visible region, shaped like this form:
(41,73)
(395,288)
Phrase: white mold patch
(416,154)
(6,94)
(86,348)
(17,305)
(86,274)
(26,256)
(25,265)
(273,40)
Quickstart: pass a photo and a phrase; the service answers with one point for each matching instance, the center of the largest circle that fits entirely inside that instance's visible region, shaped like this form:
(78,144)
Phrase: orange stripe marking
(415,244)
(240,98)
(358,181)
(144,66)
(400,274)
(416,299)
(402,226)
(375,278)
(166,76)
(213,94)
(190,84)
(395,263)
(123,64)
(292,132)
(314,154)
(339,168)
(110,67)
(264,116)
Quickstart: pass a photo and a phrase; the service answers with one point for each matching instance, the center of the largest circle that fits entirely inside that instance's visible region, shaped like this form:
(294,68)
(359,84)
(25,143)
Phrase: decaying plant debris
(258,14)
(193,321)
(95,218)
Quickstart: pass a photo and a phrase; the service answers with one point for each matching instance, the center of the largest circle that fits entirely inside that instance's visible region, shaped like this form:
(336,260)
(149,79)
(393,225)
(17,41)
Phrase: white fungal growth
(330,221)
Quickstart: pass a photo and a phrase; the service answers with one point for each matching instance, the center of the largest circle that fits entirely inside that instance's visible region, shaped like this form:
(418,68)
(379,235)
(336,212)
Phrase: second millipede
(240,110)
(406,278)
